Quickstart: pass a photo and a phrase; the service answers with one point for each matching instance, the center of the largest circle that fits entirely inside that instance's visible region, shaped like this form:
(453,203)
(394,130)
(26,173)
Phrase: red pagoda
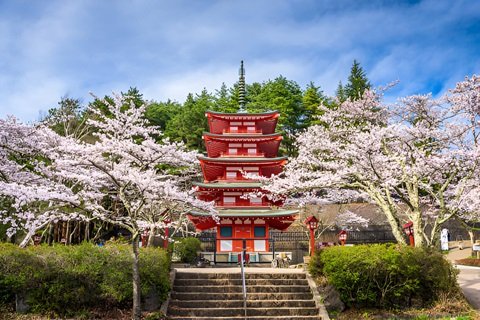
(240,143)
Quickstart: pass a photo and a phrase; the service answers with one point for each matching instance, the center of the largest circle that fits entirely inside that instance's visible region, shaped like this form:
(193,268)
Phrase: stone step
(236,312)
(248,318)
(238,296)
(195,275)
(239,303)
(238,282)
(236,289)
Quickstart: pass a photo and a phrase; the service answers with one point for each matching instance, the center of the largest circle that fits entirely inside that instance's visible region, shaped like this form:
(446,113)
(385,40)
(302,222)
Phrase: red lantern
(144,237)
(312,224)
(342,236)
(37,239)
(408,228)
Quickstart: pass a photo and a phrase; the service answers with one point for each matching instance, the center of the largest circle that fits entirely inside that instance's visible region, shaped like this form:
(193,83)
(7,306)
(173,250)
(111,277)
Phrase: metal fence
(296,242)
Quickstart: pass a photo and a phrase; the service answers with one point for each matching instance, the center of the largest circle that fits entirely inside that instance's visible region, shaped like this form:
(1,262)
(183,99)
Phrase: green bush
(386,275)
(186,249)
(62,280)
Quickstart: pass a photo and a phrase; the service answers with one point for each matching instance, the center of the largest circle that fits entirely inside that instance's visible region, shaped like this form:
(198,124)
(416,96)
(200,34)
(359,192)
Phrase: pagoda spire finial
(241,88)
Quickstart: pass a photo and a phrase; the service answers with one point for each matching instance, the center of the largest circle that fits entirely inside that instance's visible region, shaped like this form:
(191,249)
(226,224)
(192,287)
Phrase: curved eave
(230,213)
(236,136)
(241,160)
(231,185)
(236,114)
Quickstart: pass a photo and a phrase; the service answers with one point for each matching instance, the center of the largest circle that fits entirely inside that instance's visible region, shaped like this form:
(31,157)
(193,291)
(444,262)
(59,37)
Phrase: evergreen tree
(226,99)
(286,97)
(190,123)
(341,93)
(357,82)
(69,118)
(313,97)
(161,113)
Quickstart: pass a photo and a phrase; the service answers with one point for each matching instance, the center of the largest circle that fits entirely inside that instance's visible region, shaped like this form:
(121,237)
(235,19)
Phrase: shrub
(62,280)
(469,262)
(186,249)
(385,275)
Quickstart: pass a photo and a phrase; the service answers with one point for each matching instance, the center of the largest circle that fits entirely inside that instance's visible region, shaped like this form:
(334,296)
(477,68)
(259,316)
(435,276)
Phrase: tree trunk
(27,239)
(392,219)
(418,233)
(471,234)
(87,231)
(50,236)
(67,233)
(72,234)
(137,311)
(151,237)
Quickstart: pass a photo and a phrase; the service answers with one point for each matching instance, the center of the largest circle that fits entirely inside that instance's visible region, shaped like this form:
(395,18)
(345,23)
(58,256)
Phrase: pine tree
(357,82)
(340,92)
(313,97)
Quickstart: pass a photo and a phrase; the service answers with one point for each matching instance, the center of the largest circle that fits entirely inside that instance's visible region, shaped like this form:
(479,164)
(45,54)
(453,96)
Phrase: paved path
(468,278)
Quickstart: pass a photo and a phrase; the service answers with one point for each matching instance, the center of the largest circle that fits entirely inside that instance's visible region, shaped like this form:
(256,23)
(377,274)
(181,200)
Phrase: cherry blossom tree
(31,200)
(465,98)
(129,176)
(416,159)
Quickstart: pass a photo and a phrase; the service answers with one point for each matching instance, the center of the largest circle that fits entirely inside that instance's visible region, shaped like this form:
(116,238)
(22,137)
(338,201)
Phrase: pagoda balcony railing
(242,131)
(237,179)
(243,155)
(241,204)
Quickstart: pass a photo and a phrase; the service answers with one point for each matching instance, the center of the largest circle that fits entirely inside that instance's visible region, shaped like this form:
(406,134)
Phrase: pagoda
(240,143)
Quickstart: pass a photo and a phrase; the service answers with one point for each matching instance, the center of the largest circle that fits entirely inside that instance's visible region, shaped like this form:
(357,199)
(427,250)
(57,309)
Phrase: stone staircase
(217,295)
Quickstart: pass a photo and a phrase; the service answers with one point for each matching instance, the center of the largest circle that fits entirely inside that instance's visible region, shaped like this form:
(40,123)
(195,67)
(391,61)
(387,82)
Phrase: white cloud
(168,49)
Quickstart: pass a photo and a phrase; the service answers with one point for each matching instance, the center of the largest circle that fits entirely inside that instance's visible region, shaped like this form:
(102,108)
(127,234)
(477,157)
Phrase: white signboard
(444,239)
(225,245)
(476,247)
(259,245)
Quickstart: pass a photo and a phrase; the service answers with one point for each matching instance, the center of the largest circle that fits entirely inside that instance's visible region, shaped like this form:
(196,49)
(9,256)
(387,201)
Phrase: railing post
(244,249)
(215,249)
(244,287)
(273,248)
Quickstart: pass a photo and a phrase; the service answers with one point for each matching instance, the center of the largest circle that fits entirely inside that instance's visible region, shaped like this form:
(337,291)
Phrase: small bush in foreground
(187,249)
(63,280)
(387,276)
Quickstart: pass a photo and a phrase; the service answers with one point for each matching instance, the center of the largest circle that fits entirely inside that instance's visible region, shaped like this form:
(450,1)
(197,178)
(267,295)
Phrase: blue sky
(50,49)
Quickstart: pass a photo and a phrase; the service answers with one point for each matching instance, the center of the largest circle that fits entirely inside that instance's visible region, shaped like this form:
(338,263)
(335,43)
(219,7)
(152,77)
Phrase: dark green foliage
(386,275)
(133,98)
(285,96)
(340,92)
(313,97)
(161,113)
(62,280)
(187,249)
(190,123)
(68,118)
(357,82)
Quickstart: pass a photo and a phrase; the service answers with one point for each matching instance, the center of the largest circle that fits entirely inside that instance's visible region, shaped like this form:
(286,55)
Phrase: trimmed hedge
(386,275)
(62,280)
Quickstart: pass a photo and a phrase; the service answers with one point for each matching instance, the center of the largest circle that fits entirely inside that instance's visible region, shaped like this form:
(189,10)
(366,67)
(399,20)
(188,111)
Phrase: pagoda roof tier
(242,160)
(229,185)
(245,145)
(279,219)
(250,213)
(242,136)
(235,123)
(243,116)
(230,169)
